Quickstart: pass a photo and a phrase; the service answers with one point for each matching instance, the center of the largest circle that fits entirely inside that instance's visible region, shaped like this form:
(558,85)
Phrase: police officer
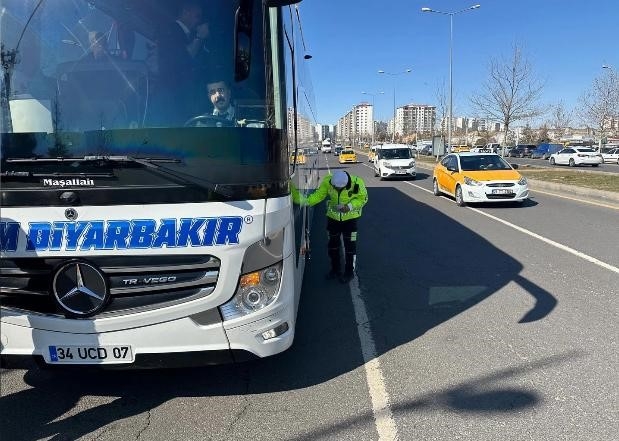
(346,197)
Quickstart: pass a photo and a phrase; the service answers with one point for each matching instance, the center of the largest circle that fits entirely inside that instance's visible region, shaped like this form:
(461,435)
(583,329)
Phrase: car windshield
(395,153)
(347,152)
(585,150)
(483,162)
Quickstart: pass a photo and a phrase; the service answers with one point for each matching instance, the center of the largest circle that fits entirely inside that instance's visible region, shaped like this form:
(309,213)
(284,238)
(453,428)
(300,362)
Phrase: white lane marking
(385,425)
(536,236)
(614,207)
(551,242)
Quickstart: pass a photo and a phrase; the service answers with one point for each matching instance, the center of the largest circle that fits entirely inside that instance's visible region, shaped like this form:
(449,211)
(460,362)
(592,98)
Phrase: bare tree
(511,93)
(441,104)
(600,104)
(560,119)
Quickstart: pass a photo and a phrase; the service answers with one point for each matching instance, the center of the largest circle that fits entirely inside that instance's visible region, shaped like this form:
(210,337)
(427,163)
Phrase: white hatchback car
(611,156)
(573,156)
(394,160)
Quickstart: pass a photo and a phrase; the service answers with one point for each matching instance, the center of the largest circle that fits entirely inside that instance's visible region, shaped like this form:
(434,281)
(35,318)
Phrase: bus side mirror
(242,40)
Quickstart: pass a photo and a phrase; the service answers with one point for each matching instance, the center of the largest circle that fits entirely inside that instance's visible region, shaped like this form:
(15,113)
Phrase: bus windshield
(188,83)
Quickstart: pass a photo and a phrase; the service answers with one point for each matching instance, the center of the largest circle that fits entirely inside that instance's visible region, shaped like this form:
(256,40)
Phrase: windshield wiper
(12,174)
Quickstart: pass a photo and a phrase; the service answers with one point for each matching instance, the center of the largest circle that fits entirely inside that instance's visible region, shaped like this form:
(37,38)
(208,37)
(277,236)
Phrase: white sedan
(611,156)
(573,156)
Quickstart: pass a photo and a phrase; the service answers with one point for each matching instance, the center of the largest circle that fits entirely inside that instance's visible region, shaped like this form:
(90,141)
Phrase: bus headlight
(255,291)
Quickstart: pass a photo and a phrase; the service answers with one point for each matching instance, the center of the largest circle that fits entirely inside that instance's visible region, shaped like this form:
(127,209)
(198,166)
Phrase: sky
(566,42)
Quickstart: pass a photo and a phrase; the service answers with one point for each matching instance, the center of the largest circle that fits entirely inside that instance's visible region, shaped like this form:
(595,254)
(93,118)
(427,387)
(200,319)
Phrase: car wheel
(595,165)
(552,161)
(380,174)
(375,173)
(435,188)
(460,197)
(572,163)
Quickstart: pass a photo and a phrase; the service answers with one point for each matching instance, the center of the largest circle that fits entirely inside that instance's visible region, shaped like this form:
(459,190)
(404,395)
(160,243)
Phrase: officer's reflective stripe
(353,236)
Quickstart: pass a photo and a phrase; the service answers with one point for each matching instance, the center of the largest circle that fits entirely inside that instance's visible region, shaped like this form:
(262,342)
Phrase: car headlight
(471,181)
(522,180)
(387,164)
(412,164)
(255,291)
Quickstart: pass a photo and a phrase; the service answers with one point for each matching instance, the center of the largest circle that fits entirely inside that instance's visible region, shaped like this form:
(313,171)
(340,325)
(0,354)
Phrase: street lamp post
(451,33)
(373,108)
(394,74)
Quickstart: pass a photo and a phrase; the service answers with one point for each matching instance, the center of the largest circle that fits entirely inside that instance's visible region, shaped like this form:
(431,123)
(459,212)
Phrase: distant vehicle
(326,148)
(337,150)
(394,160)
(481,149)
(372,153)
(300,157)
(544,151)
(426,150)
(494,147)
(478,177)
(573,156)
(612,156)
(460,148)
(347,156)
(522,150)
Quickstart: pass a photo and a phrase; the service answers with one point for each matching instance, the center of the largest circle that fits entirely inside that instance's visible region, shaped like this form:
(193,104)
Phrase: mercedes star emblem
(70,213)
(80,289)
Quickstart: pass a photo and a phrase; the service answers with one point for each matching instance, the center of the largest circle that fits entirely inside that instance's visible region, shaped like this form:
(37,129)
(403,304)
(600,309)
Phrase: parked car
(426,150)
(522,150)
(494,147)
(611,156)
(481,149)
(573,156)
(394,160)
(544,151)
(479,177)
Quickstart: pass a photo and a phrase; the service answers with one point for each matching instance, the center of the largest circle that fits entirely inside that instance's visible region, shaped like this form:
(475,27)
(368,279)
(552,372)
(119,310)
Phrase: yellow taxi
(300,157)
(347,156)
(479,177)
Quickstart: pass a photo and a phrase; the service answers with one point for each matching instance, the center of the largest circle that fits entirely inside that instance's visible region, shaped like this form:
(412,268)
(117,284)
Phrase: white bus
(137,227)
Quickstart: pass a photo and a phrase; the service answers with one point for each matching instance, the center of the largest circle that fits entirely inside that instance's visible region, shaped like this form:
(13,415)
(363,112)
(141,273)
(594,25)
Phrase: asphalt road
(482,323)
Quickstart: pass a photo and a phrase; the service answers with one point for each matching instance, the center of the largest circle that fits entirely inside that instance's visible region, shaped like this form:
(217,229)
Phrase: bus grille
(135,283)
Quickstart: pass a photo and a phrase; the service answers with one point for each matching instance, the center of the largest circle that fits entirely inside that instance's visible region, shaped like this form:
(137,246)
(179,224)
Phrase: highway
(471,323)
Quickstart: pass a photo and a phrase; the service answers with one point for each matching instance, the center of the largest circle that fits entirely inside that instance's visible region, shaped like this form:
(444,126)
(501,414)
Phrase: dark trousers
(347,230)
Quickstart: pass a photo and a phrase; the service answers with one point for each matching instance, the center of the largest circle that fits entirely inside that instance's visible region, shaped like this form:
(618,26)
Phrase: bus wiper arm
(185,178)
(11,174)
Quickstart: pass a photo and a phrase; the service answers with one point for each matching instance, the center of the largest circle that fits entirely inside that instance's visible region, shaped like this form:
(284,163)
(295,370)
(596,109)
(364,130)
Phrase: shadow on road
(417,269)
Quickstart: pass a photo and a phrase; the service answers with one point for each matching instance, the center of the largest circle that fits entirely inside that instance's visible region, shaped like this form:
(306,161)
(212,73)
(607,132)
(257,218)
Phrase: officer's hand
(344,209)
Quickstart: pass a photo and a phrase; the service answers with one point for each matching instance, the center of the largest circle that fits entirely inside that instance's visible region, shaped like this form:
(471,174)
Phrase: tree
(600,104)
(560,119)
(511,93)
(527,136)
(542,135)
(441,105)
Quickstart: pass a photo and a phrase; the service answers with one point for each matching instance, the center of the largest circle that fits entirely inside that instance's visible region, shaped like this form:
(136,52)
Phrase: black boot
(347,277)
(333,274)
